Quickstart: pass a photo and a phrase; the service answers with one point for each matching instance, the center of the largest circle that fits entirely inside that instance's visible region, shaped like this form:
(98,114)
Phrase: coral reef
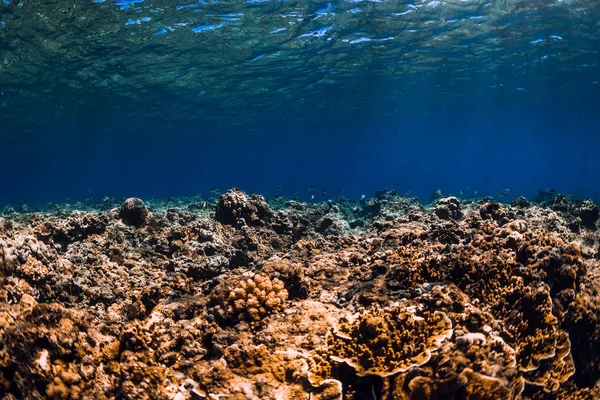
(378,298)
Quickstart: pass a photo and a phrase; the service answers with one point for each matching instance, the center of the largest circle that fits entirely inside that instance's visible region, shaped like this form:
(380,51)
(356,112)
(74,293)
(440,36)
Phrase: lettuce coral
(382,341)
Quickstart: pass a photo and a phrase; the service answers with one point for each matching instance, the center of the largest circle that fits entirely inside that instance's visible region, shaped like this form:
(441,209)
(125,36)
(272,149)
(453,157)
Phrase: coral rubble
(374,299)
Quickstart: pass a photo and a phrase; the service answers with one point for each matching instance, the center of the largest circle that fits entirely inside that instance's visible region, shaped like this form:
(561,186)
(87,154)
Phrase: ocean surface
(156,99)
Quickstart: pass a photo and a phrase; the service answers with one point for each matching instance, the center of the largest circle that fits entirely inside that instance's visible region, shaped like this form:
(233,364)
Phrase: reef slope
(377,299)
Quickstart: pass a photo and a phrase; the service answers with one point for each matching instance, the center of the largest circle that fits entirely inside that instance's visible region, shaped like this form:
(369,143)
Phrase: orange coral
(382,342)
(252,298)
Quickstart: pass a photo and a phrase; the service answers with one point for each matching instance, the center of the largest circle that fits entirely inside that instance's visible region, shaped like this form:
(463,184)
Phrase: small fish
(462,193)
(312,196)
(213,190)
(362,197)
(278,197)
(324,192)
(407,193)
(504,193)
(475,193)
(278,189)
(397,184)
(467,188)
(197,195)
(311,188)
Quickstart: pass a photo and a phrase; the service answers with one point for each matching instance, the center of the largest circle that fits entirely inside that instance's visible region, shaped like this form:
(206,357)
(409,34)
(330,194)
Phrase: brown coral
(138,306)
(382,342)
(237,208)
(54,352)
(250,298)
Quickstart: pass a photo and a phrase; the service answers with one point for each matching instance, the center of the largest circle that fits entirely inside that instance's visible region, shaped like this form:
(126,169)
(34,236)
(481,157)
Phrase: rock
(237,208)
(447,208)
(285,221)
(520,202)
(559,203)
(574,224)
(8,210)
(442,211)
(134,212)
(589,214)
(331,224)
(357,223)
(436,195)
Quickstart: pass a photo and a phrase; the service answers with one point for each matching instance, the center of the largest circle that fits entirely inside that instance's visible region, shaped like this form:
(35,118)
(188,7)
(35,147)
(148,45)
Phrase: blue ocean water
(162,99)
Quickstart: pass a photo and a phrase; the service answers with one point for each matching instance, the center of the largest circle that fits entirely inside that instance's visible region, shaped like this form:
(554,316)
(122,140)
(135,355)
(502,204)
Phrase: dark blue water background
(474,147)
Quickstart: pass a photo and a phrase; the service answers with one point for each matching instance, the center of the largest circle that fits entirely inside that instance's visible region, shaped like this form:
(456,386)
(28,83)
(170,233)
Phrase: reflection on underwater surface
(217,59)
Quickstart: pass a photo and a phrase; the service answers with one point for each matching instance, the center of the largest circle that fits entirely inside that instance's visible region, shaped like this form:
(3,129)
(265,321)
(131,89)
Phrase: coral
(578,303)
(382,342)
(250,298)
(134,212)
(496,212)
(237,208)
(290,273)
(57,353)
(454,362)
(141,379)
(467,384)
(501,303)
(448,208)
